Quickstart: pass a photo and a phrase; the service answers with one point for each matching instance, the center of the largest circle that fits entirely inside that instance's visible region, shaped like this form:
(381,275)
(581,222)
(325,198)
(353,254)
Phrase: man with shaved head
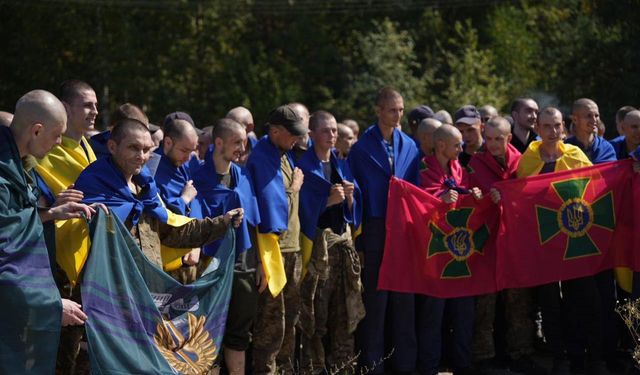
(345,140)
(304,142)
(626,144)
(204,141)
(5,118)
(244,117)
(442,176)
(127,110)
(487,112)
(383,151)
(584,117)
(424,135)
(496,161)
(222,185)
(32,312)
(524,112)
(353,125)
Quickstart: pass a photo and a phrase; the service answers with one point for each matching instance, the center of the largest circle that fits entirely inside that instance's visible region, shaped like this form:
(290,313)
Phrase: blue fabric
(31,309)
(315,192)
(601,151)
(619,145)
(98,144)
(369,164)
(264,169)
(142,321)
(102,182)
(171,180)
(216,199)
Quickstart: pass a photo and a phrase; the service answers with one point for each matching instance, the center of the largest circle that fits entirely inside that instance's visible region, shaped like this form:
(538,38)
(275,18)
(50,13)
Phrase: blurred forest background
(204,57)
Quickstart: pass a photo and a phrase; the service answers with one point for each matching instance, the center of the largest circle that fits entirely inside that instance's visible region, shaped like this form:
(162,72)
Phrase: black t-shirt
(517,143)
(333,216)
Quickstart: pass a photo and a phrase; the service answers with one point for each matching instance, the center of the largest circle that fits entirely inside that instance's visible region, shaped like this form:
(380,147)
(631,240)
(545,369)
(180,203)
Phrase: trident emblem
(575,216)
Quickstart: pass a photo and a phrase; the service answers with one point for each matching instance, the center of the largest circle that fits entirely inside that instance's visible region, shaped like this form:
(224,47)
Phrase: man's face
(451,147)
(325,136)
(550,128)
(232,149)
(203,144)
(496,141)
(132,152)
(390,113)
(585,119)
(526,115)
(471,134)
(45,137)
(179,150)
(345,141)
(631,128)
(282,138)
(82,111)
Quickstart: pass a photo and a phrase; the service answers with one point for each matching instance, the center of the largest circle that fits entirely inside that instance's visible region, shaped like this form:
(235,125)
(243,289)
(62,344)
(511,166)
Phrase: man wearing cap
(277,184)
(383,152)
(524,112)
(468,121)
(414,118)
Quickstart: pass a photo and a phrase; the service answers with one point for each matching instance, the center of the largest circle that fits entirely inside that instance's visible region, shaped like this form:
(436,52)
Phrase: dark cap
(420,113)
(467,115)
(177,116)
(288,118)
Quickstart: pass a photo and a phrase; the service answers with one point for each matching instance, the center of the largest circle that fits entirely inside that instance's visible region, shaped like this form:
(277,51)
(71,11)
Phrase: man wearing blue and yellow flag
(32,309)
(223,185)
(173,178)
(277,183)
(330,203)
(122,184)
(57,172)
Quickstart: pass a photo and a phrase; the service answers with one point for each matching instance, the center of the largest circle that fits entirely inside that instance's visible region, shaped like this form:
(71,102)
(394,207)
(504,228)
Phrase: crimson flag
(565,225)
(435,248)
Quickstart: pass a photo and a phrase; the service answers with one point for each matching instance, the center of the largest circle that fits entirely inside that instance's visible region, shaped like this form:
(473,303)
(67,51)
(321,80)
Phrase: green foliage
(205,57)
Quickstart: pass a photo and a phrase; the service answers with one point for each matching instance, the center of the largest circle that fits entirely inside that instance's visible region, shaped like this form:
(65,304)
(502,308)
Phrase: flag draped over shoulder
(565,225)
(140,320)
(264,168)
(31,310)
(217,199)
(531,163)
(314,195)
(484,169)
(59,169)
(102,182)
(170,181)
(438,249)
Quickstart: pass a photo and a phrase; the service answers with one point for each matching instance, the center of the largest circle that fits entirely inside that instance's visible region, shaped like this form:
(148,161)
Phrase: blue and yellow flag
(141,321)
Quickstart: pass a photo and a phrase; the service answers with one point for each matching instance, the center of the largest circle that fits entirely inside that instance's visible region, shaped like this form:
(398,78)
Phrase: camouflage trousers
(519,324)
(274,330)
(327,320)
(73,358)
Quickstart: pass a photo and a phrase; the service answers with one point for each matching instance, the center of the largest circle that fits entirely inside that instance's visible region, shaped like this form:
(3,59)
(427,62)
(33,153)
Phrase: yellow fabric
(271,258)
(63,164)
(531,163)
(306,246)
(59,169)
(624,278)
(171,256)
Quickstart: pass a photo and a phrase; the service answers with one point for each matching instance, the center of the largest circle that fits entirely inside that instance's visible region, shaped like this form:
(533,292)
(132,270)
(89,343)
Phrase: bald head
(242,116)
(5,118)
(582,103)
(632,116)
(444,117)
(179,129)
(424,134)
(446,132)
(38,106)
(499,123)
(487,112)
(226,127)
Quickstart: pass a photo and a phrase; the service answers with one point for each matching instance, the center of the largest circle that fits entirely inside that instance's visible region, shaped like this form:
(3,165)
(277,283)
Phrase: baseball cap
(286,117)
(467,115)
(420,113)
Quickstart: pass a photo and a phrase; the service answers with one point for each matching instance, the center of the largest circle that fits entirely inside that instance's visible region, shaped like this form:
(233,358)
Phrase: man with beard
(524,112)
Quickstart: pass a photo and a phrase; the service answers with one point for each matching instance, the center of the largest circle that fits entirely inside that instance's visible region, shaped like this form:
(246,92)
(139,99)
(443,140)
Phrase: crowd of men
(312,183)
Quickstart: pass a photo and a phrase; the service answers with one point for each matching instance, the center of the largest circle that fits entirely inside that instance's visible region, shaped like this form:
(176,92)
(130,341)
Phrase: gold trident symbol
(575,216)
(458,241)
